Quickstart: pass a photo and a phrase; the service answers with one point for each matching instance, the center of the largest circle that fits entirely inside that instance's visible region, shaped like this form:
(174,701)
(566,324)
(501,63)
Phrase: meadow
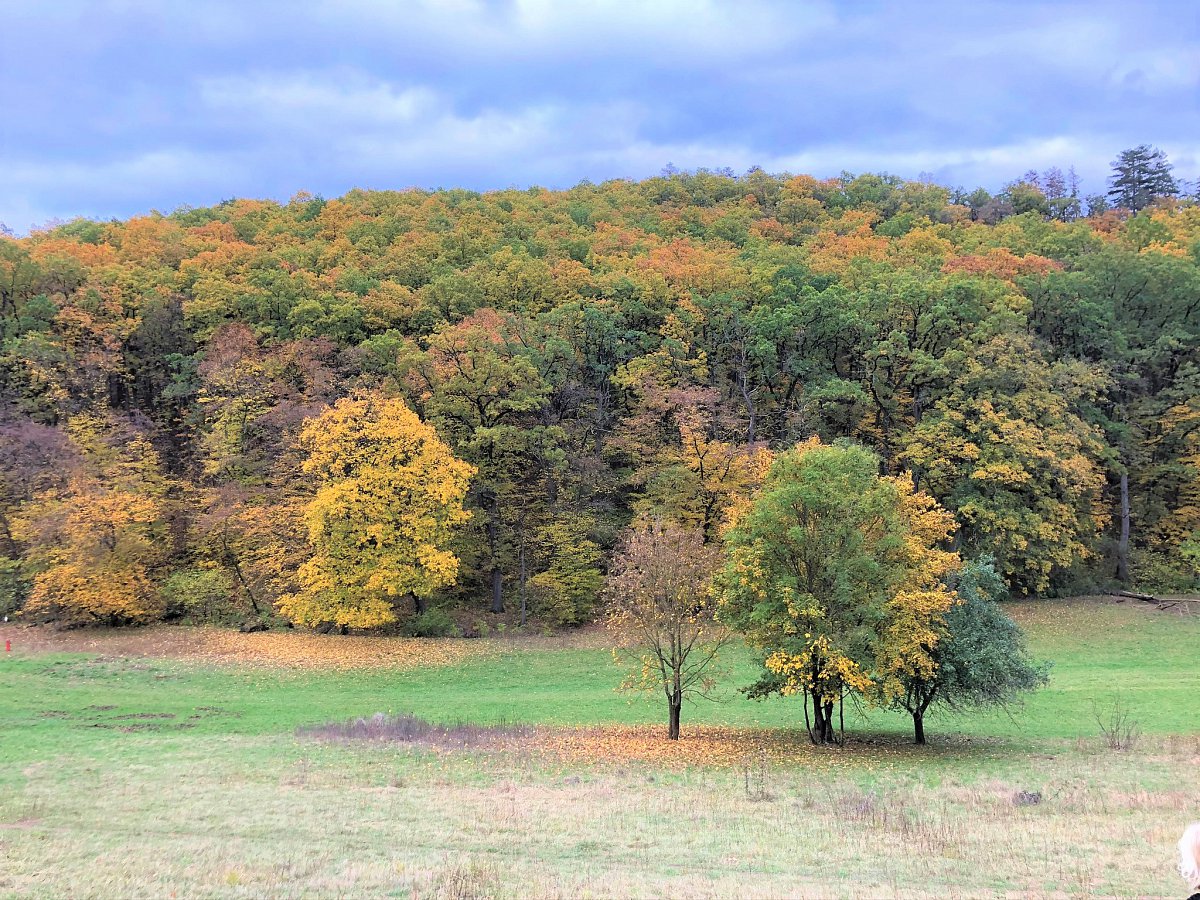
(175,762)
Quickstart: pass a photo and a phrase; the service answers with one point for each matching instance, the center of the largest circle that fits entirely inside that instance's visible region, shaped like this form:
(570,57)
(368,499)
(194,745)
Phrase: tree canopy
(600,356)
(389,493)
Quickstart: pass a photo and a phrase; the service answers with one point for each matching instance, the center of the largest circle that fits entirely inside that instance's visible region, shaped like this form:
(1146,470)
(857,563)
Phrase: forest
(186,399)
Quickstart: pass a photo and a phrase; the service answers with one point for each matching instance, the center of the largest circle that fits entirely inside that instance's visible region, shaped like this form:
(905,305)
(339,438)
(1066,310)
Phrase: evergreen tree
(1141,175)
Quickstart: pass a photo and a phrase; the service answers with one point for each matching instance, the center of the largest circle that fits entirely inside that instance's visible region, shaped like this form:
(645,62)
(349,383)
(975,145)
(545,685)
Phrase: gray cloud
(113,108)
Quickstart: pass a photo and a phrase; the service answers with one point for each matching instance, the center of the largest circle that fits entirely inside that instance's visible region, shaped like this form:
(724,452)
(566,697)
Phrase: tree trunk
(748,399)
(523,603)
(13,550)
(822,726)
(232,559)
(676,704)
(497,590)
(1123,544)
(918,726)
(418,604)
(493,530)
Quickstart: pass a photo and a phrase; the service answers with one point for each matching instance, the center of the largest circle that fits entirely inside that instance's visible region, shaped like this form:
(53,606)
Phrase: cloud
(703,31)
(313,100)
(108,184)
(148,104)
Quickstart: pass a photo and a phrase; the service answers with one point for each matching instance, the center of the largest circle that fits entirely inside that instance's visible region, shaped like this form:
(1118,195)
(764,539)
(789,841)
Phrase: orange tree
(659,598)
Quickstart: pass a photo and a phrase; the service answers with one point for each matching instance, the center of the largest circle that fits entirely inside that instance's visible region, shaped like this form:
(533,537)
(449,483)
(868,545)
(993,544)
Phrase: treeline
(600,354)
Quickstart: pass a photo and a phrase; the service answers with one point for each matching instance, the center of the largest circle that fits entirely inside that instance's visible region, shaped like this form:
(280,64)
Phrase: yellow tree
(1007,449)
(92,546)
(915,615)
(725,474)
(389,495)
(96,559)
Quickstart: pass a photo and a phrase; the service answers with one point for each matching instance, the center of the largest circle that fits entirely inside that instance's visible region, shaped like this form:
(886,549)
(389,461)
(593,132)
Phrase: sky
(111,108)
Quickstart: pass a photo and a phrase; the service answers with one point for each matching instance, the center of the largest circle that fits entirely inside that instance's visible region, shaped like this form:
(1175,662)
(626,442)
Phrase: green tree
(483,392)
(833,573)
(1007,449)
(565,592)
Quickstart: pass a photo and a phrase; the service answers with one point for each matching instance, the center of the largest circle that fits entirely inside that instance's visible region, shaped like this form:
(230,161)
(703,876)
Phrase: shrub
(565,594)
(13,586)
(434,622)
(201,596)
(1163,573)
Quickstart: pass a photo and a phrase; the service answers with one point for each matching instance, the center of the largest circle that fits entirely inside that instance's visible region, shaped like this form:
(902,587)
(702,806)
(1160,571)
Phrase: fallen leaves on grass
(299,650)
(273,649)
(706,745)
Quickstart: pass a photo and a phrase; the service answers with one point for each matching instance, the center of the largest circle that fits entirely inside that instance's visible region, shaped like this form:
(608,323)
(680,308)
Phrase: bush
(200,596)
(13,586)
(1163,573)
(434,622)
(565,594)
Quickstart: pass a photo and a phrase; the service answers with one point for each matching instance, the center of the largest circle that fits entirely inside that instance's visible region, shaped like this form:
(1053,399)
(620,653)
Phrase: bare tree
(659,597)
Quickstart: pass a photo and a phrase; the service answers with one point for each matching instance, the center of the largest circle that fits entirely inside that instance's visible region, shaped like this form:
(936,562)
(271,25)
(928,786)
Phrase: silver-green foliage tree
(981,656)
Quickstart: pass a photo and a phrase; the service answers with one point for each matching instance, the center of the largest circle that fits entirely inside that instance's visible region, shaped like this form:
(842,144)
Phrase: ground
(179,762)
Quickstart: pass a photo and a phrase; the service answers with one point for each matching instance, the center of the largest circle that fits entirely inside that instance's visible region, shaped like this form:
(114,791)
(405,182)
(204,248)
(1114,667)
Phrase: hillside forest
(190,403)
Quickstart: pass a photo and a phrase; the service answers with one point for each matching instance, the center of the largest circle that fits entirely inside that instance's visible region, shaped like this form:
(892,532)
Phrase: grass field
(167,763)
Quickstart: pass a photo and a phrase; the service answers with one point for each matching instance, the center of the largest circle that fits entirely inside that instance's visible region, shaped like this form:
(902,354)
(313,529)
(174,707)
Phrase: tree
(1007,449)
(389,496)
(1027,196)
(483,392)
(831,569)
(658,592)
(94,544)
(1140,176)
(980,657)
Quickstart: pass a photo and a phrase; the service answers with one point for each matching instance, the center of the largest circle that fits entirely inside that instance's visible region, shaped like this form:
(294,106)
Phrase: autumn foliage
(661,603)
(389,495)
(209,400)
(839,577)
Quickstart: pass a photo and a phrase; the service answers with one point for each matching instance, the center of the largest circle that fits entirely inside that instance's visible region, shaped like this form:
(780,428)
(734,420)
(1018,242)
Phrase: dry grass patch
(378,819)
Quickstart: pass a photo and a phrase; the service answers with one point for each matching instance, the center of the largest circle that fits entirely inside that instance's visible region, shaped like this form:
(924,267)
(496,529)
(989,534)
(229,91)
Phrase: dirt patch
(146,716)
(20,825)
(411,730)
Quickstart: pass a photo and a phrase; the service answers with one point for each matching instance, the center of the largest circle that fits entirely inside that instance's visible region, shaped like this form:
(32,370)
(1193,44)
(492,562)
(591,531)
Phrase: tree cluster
(202,414)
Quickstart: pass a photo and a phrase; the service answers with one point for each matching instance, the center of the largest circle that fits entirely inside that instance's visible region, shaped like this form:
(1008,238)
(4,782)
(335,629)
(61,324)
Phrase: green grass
(143,777)
(1098,652)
